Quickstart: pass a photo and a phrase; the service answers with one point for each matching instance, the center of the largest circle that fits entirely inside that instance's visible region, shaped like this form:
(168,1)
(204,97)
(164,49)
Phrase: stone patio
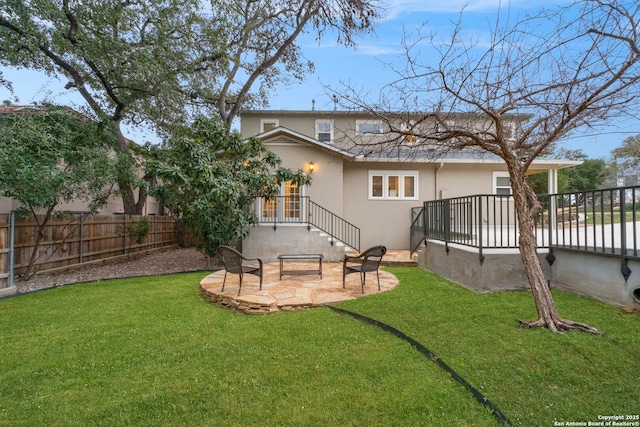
(296,292)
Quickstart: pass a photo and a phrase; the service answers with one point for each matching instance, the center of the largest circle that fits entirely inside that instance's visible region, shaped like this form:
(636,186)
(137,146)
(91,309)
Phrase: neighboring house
(360,181)
(114,203)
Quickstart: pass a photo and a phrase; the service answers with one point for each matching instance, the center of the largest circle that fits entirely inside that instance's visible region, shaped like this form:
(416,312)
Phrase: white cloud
(399,8)
(378,49)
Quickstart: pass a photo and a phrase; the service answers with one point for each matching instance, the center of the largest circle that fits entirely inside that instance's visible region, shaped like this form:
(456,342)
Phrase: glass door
(284,208)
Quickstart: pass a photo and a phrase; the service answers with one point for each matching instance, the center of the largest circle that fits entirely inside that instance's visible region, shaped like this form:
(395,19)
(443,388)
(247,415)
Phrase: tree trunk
(130,206)
(527,206)
(31,271)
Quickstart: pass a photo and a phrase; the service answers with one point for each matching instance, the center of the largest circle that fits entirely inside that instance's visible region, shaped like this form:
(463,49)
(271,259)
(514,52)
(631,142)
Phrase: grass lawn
(151,351)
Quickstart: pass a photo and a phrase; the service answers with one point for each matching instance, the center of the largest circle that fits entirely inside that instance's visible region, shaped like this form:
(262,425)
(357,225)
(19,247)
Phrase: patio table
(300,257)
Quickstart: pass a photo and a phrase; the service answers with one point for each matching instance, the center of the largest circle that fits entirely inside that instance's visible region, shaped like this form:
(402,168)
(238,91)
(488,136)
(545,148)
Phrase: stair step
(335,241)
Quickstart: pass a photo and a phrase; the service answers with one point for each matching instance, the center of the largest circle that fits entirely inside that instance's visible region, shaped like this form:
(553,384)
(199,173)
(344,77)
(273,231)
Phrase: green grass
(151,351)
(608,218)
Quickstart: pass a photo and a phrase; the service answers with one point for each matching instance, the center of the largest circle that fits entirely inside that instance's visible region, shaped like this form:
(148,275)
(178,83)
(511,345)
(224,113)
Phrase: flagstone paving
(295,292)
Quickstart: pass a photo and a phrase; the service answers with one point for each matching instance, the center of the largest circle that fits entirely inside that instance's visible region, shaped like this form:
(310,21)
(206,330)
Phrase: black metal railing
(605,221)
(302,210)
(417,234)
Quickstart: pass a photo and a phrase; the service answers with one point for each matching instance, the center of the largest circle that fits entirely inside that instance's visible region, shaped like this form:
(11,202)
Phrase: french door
(286,207)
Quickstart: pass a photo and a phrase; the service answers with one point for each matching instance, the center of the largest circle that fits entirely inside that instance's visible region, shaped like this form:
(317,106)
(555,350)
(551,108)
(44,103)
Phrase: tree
(515,98)
(260,39)
(148,61)
(590,175)
(53,155)
(627,160)
(209,179)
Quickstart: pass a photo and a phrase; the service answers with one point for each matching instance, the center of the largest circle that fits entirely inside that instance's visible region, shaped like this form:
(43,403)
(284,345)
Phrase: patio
(297,292)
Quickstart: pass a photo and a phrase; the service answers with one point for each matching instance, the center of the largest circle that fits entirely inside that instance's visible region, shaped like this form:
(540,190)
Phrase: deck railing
(606,221)
(302,210)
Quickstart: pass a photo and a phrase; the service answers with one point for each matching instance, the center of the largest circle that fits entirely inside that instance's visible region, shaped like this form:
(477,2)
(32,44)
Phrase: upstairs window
(324,130)
(268,124)
(393,185)
(368,127)
(409,129)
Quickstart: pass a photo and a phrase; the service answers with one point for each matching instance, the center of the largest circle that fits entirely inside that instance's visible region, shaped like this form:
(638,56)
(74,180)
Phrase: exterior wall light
(312,167)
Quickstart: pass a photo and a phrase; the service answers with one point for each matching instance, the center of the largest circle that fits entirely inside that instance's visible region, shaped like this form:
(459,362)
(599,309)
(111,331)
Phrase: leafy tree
(590,175)
(209,179)
(534,80)
(50,156)
(539,182)
(627,160)
(149,61)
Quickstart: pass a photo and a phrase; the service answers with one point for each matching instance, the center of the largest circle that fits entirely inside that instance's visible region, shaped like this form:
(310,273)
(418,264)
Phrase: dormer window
(408,130)
(324,130)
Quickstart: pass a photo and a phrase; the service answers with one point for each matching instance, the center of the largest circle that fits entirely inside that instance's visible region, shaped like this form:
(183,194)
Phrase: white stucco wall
(326,187)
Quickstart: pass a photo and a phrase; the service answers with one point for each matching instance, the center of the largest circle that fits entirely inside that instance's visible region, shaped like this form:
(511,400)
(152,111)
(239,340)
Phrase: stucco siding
(457,180)
(382,222)
(266,243)
(326,187)
(7,205)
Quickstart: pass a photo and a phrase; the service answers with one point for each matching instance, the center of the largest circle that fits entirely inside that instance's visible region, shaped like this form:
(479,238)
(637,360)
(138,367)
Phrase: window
(377,182)
(409,129)
(268,124)
(393,185)
(324,130)
(501,183)
(409,187)
(364,127)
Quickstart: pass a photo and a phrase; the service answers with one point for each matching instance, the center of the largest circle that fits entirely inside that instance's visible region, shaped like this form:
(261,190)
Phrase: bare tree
(262,48)
(522,89)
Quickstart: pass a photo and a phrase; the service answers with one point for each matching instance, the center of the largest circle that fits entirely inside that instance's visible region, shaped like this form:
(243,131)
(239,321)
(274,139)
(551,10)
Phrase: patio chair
(367,262)
(234,262)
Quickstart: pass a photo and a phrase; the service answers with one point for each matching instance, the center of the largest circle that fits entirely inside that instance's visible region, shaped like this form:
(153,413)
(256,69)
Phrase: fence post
(480,227)
(446,217)
(12,229)
(624,267)
(124,234)
(425,218)
(81,242)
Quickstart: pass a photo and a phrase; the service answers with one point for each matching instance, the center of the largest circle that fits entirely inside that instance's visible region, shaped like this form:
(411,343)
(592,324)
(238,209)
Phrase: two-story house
(358,182)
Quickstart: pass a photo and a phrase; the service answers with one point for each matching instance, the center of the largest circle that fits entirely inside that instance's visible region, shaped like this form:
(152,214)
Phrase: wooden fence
(74,239)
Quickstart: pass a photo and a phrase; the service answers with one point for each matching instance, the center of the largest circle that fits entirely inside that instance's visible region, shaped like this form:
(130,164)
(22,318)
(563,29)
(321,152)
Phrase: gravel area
(174,260)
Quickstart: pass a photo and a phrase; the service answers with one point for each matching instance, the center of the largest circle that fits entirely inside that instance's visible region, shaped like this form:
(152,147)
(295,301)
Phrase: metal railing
(605,221)
(302,210)
(417,233)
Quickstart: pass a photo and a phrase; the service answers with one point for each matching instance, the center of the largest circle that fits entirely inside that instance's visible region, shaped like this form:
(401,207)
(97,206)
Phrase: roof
(364,113)
(406,154)
(16,109)
(281,131)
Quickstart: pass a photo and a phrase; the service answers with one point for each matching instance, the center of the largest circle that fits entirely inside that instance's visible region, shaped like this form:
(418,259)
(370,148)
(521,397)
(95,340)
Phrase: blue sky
(365,67)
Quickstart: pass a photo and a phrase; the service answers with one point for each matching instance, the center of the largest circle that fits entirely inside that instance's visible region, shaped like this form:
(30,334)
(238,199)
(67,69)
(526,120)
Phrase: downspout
(435,180)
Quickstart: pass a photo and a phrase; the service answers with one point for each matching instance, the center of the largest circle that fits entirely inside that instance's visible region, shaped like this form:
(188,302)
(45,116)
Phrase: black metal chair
(234,262)
(367,262)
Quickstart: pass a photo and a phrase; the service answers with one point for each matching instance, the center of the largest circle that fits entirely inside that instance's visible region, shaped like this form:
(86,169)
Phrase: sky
(366,67)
